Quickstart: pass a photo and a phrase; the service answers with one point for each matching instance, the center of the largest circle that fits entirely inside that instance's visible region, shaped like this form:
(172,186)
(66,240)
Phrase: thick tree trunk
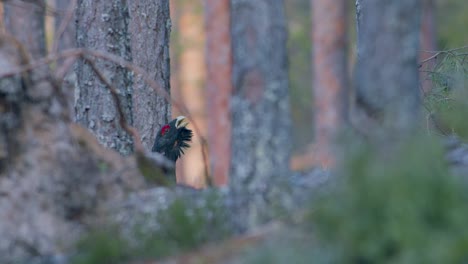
(25,21)
(386,71)
(102,25)
(149,29)
(219,87)
(261,123)
(330,82)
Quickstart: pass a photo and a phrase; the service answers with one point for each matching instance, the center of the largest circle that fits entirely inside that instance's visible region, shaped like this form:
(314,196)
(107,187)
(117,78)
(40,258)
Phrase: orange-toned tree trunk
(190,43)
(330,82)
(428,42)
(219,87)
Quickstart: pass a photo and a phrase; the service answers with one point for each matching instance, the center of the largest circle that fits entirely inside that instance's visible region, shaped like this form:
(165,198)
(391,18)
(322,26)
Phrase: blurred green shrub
(451,20)
(403,208)
(101,246)
(447,102)
(182,226)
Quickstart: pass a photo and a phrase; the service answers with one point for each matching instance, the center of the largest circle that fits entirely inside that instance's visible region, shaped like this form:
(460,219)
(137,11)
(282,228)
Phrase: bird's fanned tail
(185,136)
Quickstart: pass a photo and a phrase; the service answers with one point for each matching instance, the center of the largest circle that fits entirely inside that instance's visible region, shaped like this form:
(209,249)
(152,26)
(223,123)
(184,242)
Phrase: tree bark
(261,142)
(219,87)
(102,25)
(386,71)
(25,20)
(149,28)
(330,82)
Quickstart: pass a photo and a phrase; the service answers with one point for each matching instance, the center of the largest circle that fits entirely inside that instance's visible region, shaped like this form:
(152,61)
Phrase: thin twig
(437,53)
(443,51)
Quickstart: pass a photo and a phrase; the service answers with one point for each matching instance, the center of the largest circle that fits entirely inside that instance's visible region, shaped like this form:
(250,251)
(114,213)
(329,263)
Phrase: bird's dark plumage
(173,139)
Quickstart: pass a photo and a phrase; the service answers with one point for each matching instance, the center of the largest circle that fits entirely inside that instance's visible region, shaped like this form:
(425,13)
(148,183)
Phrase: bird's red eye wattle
(164,129)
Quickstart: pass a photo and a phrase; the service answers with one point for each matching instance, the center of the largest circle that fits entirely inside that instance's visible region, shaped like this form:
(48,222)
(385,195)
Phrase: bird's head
(173,138)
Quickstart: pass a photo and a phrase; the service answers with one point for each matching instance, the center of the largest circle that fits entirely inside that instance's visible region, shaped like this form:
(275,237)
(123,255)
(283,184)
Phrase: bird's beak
(181,122)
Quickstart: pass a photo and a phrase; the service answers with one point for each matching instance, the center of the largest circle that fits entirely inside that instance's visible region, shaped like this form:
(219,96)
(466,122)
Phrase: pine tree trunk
(219,87)
(386,71)
(149,29)
(191,76)
(330,82)
(261,123)
(102,25)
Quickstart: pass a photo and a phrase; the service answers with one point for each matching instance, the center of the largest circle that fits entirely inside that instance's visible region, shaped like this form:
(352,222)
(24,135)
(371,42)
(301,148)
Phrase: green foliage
(451,23)
(403,208)
(281,250)
(447,103)
(101,247)
(183,226)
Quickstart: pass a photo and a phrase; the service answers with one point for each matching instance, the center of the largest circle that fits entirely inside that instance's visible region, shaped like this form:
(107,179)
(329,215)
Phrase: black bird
(173,139)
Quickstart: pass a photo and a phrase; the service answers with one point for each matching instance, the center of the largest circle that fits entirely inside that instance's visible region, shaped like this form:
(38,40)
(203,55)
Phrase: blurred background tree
(188,80)
(219,87)
(330,80)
